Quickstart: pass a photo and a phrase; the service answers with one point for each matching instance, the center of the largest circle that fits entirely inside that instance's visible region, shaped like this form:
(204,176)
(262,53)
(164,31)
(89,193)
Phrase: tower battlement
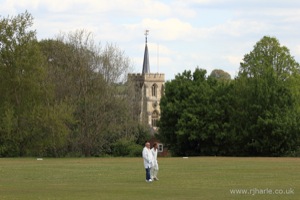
(147,77)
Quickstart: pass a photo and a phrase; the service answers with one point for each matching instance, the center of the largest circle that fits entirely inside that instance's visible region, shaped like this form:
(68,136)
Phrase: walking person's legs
(155,171)
(148,177)
(152,172)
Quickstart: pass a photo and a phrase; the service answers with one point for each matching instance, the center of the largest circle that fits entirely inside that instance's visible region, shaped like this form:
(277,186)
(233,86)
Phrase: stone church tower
(149,88)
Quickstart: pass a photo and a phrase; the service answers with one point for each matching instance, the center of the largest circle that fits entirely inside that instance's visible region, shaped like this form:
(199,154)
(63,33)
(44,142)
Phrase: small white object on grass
(185,157)
(39,159)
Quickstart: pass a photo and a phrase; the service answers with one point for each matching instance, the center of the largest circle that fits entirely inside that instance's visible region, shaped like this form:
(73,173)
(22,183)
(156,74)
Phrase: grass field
(124,178)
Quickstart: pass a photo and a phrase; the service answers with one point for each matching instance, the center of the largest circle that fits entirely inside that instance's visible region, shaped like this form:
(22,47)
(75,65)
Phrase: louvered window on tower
(154,90)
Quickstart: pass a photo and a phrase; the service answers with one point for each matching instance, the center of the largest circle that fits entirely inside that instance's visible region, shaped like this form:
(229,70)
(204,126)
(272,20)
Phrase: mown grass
(124,178)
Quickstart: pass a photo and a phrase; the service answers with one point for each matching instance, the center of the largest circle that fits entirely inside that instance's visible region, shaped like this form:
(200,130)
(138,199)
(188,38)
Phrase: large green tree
(194,114)
(29,121)
(92,79)
(266,119)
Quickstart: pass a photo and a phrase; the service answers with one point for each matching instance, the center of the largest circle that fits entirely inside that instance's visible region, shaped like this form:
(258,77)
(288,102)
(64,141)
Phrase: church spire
(146,65)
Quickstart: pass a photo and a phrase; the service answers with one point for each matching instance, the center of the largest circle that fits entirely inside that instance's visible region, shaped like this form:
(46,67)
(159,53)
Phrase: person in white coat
(154,168)
(148,161)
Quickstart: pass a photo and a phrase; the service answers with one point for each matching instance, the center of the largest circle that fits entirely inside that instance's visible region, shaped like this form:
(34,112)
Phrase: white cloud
(7,7)
(58,5)
(200,1)
(295,51)
(208,33)
(161,49)
(25,3)
(132,8)
(233,60)
(182,9)
(238,28)
(168,29)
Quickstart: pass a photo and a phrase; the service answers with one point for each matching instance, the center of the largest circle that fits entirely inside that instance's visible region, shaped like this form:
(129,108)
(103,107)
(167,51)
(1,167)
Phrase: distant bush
(128,148)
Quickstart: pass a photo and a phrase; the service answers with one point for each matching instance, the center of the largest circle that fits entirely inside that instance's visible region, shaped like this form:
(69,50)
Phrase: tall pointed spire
(146,65)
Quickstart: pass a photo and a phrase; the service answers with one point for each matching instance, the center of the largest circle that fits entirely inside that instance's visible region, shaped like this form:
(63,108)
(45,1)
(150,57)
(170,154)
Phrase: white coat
(154,155)
(148,158)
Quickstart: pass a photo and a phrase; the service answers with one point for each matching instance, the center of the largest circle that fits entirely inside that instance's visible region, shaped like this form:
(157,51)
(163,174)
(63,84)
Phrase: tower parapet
(147,77)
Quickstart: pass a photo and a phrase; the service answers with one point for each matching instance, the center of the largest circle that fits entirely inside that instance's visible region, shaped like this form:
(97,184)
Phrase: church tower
(149,89)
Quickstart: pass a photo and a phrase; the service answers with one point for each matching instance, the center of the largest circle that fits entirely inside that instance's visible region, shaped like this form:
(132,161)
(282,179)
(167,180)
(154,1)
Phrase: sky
(183,34)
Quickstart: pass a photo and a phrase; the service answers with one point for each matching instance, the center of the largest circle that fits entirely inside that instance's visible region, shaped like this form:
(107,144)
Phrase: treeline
(68,96)
(256,114)
(65,96)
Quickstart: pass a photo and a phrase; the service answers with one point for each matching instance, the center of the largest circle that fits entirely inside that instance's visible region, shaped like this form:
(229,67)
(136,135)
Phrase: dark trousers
(148,173)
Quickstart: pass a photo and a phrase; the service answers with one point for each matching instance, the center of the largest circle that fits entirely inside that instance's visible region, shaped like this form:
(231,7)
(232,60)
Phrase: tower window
(154,118)
(154,90)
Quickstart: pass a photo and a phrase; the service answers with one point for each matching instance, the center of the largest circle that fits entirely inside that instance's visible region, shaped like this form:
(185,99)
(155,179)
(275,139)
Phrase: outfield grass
(124,178)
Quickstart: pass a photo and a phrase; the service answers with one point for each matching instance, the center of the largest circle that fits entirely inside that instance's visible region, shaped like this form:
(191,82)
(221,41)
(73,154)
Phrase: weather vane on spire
(146,33)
